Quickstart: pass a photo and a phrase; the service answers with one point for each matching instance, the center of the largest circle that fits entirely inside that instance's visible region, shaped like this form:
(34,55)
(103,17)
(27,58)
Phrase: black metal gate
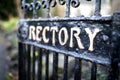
(69,36)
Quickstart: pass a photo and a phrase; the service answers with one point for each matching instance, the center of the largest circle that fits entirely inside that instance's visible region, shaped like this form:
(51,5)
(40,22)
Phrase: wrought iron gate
(95,39)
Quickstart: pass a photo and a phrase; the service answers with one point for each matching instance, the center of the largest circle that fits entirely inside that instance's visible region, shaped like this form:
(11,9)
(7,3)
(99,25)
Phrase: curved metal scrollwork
(88,0)
(23,4)
(37,5)
(53,3)
(75,3)
(44,4)
(26,6)
(61,2)
(31,6)
(22,30)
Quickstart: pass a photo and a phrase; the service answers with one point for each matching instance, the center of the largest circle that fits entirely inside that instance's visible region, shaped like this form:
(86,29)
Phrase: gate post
(22,71)
(115,47)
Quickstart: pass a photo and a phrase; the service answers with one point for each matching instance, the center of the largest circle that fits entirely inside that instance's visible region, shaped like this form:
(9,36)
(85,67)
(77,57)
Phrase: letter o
(64,30)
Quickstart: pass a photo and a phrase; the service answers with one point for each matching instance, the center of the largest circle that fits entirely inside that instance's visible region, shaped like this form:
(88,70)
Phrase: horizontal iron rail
(92,58)
(93,18)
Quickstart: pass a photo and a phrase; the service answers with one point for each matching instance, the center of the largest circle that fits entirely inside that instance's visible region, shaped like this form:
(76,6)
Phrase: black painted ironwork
(77,75)
(55,67)
(47,65)
(33,63)
(93,71)
(22,70)
(28,62)
(65,74)
(31,53)
(40,54)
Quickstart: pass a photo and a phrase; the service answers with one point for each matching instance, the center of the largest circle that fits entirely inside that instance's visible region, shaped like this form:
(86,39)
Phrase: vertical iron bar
(34,9)
(97,7)
(48,9)
(67,8)
(40,64)
(22,70)
(55,66)
(34,57)
(114,73)
(23,2)
(47,65)
(25,60)
(28,62)
(33,64)
(21,51)
(93,71)
(65,74)
(77,69)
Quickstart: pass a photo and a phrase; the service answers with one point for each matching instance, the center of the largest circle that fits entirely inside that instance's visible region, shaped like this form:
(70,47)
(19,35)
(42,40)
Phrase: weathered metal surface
(52,3)
(115,48)
(101,41)
(94,39)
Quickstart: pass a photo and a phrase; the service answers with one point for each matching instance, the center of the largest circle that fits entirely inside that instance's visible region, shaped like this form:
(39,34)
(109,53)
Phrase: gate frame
(115,41)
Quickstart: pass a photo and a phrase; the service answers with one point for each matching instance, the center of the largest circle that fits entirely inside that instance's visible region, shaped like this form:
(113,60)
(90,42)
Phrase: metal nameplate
(85,38)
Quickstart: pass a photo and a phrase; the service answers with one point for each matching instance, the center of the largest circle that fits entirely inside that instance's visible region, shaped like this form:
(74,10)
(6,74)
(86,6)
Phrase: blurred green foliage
(9,76)
(9,26)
